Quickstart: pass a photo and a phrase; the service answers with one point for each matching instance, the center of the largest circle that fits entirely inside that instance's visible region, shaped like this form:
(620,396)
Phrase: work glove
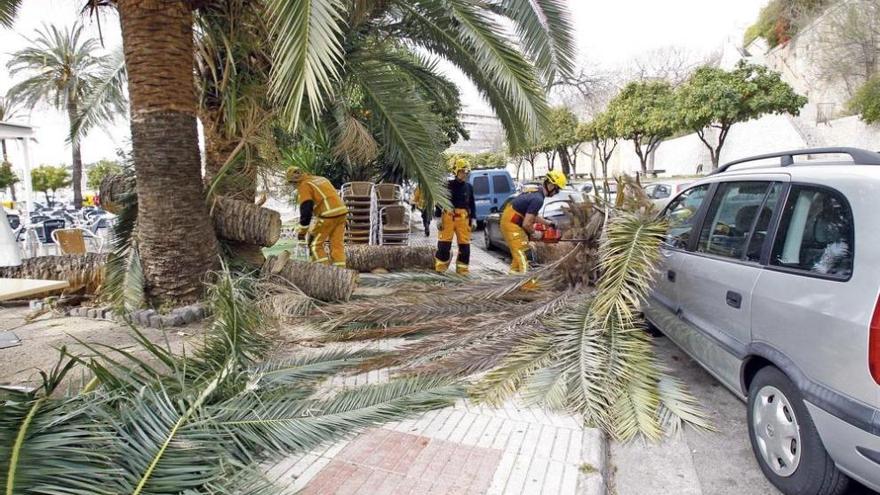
(438,212)
(537,235)
(473,225)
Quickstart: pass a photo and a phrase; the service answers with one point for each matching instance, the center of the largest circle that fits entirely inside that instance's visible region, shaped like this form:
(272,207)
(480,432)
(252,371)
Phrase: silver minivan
(770,279)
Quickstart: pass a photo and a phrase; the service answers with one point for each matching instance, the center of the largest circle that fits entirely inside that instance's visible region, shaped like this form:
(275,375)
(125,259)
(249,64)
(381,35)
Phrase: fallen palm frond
(576,345)
(154,421)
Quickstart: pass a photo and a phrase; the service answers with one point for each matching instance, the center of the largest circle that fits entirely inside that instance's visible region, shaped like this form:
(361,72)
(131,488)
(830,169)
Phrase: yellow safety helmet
(292,174)
(557,178)
(460,164)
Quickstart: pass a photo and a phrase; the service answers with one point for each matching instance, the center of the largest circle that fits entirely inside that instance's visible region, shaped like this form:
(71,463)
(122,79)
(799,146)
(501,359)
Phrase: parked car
(770,280)
(662,191)
(491,188)
(553,209)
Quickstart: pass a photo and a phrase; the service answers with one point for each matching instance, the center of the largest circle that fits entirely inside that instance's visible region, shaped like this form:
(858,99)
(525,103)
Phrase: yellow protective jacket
(327,203)
(419,199)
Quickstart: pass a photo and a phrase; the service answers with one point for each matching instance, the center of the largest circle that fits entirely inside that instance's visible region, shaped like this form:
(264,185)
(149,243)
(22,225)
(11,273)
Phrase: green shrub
(866,101)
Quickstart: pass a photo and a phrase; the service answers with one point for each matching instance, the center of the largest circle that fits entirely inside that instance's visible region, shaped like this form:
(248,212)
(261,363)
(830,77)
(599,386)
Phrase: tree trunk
(112,188)
(175,236)
(364,258)
(565,161)
(238,183)
(245,222)
(76,159)
(322,282)
(81,271)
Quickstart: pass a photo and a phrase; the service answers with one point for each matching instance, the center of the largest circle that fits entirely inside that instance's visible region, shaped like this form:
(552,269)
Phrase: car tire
(488,239)
(785,441)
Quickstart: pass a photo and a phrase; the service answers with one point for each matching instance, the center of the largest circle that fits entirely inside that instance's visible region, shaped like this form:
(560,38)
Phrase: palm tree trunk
(76,176)
(175,236)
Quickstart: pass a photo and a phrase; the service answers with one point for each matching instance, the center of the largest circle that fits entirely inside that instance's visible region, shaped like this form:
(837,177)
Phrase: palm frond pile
(576,344)
(200,422)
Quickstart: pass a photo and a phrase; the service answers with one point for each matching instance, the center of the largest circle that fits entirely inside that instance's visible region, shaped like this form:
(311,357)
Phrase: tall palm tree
(175,236)
(63,70)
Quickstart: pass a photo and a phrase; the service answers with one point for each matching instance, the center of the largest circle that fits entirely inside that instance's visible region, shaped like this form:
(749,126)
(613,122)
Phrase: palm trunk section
(76,162)
(175,236)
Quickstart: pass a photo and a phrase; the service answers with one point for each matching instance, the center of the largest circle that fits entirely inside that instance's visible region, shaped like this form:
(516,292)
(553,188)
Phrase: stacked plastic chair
(360,198)
(394,223)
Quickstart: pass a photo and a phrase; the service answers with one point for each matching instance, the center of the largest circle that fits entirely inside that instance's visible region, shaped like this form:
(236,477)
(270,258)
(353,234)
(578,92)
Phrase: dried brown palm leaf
(354,142)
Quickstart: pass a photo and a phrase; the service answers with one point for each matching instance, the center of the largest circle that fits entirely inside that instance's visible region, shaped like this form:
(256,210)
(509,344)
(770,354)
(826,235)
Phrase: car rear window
(481,186)
(500,184)
(815,234)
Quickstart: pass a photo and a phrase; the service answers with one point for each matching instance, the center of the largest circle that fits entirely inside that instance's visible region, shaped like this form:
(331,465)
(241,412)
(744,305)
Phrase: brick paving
(465,448)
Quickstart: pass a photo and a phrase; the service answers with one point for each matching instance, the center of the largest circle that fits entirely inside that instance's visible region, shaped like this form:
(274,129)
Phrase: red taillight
(874,344)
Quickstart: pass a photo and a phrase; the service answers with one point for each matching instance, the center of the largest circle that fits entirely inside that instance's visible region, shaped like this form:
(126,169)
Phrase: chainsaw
(553,235)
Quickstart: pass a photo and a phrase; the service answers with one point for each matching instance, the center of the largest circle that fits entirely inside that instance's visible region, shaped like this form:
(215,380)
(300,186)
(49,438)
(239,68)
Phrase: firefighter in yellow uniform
(520,216)
(458,222)
(317,197)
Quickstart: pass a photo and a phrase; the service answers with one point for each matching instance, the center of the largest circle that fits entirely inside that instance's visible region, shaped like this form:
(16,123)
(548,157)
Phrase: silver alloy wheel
(776,431)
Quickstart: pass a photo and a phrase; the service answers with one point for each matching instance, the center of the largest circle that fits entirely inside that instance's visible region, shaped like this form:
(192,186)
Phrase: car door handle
(734,299)
(670,275)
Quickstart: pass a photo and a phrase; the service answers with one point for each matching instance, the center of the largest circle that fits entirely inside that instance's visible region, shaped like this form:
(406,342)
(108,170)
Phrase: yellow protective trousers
(516,238)
(332,230)
(456,224)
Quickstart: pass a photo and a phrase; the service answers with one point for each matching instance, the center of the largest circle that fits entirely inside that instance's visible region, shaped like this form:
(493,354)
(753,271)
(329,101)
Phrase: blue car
(491,188)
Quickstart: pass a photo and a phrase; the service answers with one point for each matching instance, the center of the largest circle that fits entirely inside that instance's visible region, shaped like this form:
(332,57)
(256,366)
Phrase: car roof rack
(786,158)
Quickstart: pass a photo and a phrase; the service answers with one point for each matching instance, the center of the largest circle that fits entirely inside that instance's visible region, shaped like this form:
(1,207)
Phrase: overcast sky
(609,33)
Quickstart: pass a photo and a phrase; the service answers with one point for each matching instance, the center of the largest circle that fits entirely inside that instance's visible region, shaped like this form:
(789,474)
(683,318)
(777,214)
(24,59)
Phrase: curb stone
(592,479)
(178,317)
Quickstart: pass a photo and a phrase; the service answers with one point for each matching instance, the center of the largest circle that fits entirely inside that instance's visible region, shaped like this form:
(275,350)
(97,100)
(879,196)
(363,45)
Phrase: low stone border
(178,317)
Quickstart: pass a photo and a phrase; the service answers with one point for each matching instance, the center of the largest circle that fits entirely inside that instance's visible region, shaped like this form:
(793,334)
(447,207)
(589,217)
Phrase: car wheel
(488,239)
(785,441)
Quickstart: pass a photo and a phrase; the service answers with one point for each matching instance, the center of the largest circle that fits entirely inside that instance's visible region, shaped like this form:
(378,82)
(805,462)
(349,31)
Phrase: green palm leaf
(307,52)
(545,29)
(296,425)
(54,445)
(407,128)
(9,11)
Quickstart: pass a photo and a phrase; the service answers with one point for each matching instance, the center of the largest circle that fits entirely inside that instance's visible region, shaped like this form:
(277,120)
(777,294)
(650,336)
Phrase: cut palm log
(234,220)
(81,271)
(112,188)
(322,282)
(245,222)
(365,258)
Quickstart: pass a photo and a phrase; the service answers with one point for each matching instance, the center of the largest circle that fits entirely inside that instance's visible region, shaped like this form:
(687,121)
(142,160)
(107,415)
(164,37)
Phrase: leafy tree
(644,112)
(601,132)
(486,159)
(717,99)
(866,101)
(46,178)
(63,70)
(560,139)
(8,178)
(97,171)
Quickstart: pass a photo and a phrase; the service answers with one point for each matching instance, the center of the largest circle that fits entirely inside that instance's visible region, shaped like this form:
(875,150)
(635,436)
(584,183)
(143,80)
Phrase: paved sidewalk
(461,449)
(481,260)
